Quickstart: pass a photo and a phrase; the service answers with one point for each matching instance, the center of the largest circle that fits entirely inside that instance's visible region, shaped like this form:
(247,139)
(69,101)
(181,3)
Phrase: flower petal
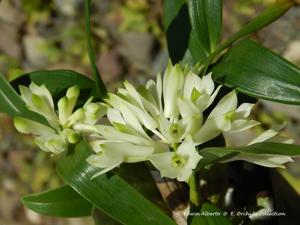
(187,108)
(27,126)
(243,110)
(263,160)
(172,86)
(188,150)
(211,129)
(227,104)
(208,84)
(241,125)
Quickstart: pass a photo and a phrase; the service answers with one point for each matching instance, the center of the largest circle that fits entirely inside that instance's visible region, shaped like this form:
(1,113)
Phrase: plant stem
(100,87)
(194,195)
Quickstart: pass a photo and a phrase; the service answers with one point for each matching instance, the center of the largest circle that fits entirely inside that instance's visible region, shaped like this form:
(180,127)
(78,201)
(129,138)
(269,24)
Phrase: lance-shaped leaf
(178,28)
(259,72)
(13,105)
(263,19)
(59,202)
(58,81)
(109,193)
(217,154)
(206,20)
(210,215)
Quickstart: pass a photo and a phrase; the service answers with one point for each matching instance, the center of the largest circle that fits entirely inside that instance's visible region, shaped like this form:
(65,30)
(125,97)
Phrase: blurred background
(129,44)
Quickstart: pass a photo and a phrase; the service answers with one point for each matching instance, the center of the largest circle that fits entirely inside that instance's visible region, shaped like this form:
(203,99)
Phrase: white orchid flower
(162,116)
(267,160)
(226,117)
(56,138)
(200,91)
(179,163)
(38,99)
(111,154)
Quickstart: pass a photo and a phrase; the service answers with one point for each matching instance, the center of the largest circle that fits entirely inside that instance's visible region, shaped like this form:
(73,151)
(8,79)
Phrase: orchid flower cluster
(161,122)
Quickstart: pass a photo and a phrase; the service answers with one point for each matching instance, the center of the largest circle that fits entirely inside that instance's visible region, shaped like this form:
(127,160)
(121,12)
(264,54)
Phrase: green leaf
(183,44)
(59,202)
(178,28)
(102,219)
(142,181)
(109,193)
(171,10)
(211,216)
(55,80)
(216,154)
(212,156)
(263,19)
(269,148)
(98,81)
(13,105)
(206,20)
(258,72)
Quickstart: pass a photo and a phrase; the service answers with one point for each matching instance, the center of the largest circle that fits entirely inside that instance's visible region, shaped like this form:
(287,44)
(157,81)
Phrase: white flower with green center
(159,116)
(226,117)
(60,133)
(168,109)
(163,123)
(179,163)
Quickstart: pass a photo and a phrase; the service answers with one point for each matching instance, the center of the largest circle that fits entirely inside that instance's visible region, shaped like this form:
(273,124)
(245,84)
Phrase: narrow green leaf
(258,72)
(109,193)
(261,148)
(99,83)
(216,154)
(212,156)
(57,82)
(206,20)
(263,19)
(210,215)
(59,202)
(13,105)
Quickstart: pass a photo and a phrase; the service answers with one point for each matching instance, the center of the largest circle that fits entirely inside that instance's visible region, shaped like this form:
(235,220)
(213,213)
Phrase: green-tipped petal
(77,116)
(72,96)
(94,111)
(72,136)
(63,113)
(192,82)
(42,91)
(56,144)
(27,126)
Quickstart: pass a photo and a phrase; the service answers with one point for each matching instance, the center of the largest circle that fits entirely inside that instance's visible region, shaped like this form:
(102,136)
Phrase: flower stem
(194,195)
